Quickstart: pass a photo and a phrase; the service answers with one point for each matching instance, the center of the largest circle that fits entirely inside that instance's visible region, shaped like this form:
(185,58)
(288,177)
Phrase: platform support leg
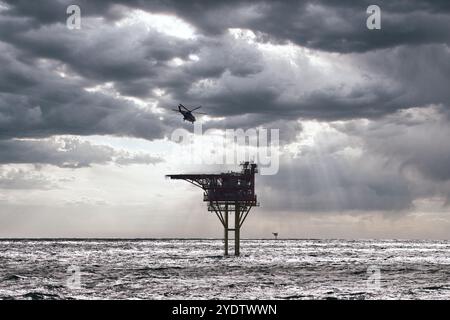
(236,230)
(226,229)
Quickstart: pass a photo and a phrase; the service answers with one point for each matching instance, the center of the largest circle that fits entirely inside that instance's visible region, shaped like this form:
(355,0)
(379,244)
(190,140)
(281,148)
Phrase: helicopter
(187,114)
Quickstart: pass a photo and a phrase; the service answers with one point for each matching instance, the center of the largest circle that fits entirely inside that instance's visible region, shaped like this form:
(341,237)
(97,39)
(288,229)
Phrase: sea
(197,269)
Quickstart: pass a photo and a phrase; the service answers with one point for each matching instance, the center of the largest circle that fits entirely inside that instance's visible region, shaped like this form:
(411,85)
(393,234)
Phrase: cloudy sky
(86,125)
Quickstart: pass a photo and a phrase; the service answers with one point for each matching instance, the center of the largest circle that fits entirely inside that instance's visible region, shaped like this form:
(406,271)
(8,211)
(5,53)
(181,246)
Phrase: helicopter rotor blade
(196,108)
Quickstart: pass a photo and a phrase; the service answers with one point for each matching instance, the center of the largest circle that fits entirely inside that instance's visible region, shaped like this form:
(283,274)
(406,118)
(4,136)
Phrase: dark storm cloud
(105,54)
(326,25)
(66,153)
(35,102)
(325,104)
(137,61)
(422,72)
(340,26)
(232,78)
(418,139)
(70,153)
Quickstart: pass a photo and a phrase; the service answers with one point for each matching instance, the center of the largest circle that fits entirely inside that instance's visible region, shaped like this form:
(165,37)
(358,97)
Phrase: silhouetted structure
(227,193)
(275,234)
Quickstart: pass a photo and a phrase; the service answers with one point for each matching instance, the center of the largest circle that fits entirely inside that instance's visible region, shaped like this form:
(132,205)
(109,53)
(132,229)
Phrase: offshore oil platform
(227,193)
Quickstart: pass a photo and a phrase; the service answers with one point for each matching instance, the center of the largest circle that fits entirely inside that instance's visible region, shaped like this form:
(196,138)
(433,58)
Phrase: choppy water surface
(196,269)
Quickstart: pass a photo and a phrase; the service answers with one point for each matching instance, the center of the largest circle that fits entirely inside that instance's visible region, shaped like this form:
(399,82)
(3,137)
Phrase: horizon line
(206,238)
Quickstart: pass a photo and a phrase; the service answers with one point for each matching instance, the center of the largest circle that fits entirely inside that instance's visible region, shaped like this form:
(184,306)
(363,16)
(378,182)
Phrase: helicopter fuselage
(188,116)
